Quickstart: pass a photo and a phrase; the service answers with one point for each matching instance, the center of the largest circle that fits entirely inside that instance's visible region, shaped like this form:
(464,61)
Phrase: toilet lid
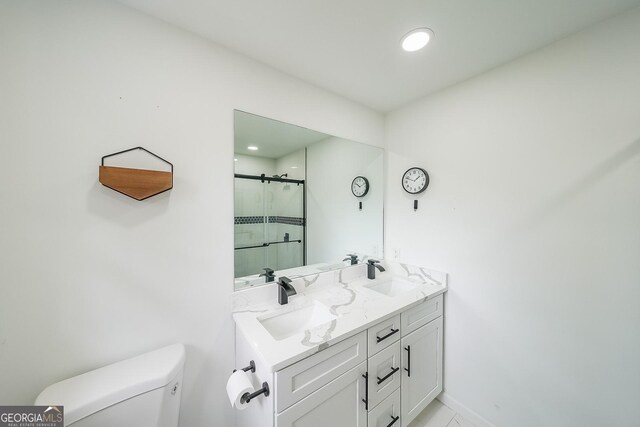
(93,391)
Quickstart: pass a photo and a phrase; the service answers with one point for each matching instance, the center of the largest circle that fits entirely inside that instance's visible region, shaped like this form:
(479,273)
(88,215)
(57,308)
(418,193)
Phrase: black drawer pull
(383,379)
(393,331)
(394,420)
(366,391)
(408,368)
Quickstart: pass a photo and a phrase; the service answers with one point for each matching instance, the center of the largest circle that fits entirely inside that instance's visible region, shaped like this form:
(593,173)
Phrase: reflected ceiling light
(416,39)
(235,160)
(294,167)
(252,148)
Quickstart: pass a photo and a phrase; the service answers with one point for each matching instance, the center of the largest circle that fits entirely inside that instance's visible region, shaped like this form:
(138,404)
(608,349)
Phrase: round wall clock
(360,186)
(415,180)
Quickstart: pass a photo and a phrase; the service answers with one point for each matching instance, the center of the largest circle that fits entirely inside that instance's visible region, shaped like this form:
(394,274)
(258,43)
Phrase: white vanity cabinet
(384,376)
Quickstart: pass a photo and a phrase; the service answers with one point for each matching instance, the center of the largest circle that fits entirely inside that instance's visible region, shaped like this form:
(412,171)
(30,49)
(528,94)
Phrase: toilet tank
(143,392)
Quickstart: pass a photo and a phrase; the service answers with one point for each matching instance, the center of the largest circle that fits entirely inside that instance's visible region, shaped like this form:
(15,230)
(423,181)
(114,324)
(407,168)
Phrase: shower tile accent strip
(290,220)
(248,220)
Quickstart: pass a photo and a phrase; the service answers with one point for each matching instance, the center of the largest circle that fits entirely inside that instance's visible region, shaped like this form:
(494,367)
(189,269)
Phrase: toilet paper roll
(239,384)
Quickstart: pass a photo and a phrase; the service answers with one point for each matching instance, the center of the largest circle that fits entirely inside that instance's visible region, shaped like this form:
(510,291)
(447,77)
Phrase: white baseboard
(461,409)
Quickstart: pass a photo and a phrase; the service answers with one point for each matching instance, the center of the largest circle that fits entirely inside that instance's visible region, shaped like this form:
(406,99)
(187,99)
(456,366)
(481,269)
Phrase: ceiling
(274,139)
(351,47)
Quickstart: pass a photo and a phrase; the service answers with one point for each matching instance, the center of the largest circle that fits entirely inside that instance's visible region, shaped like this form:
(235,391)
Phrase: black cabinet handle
(383,379)
(408,368)
(394,420)
(393,331)
(366,391)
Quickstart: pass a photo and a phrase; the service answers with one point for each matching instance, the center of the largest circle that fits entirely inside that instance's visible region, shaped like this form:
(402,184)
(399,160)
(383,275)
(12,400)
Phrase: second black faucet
(372,264)
(285,290)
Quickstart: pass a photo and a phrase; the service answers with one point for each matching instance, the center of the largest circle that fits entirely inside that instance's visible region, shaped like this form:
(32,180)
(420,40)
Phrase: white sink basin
(289,323)
(392,287)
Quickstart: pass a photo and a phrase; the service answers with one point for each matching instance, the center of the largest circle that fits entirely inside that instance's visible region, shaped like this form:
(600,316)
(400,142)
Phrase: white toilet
(143,392)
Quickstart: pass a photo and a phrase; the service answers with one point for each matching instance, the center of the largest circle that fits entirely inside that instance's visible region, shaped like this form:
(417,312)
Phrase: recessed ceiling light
(416,39)
(252,148)
(235,160)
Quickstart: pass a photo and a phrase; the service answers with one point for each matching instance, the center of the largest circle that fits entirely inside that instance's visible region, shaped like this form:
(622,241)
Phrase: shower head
(284,175)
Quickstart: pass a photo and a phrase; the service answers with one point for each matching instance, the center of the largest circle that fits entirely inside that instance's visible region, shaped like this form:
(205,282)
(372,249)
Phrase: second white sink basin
(392,287)
(289,323)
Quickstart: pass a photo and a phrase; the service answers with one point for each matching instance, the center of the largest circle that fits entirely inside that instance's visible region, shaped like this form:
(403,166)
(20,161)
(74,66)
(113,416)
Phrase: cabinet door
(337,404)
(422,369)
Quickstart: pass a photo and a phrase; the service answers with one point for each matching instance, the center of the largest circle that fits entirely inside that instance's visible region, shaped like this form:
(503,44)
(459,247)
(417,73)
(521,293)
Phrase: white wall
(88,276)
(253,165)
(534,210)
(293,164)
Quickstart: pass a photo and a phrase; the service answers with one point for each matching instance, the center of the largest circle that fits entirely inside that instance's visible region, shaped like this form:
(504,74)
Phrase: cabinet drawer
(338,404)
(387,413)
(384,373)
(382,335)
(420,315)
(308,375)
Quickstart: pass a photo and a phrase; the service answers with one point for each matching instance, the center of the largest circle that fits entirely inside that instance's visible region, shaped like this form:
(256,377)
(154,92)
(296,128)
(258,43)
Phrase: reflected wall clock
(360,186)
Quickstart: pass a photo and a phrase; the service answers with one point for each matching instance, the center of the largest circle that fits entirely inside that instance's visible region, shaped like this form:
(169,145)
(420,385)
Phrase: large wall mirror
(299,208)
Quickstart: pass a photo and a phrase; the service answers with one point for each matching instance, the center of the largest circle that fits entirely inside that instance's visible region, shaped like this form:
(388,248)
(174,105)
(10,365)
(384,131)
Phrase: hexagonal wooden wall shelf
(138,184)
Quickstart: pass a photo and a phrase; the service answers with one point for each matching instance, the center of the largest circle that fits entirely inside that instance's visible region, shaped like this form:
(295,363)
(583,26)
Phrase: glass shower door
(250,227)
(269,226)
(286,225)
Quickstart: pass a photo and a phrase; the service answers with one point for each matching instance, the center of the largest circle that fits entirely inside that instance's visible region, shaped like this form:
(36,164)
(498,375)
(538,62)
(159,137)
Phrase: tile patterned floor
(439,415)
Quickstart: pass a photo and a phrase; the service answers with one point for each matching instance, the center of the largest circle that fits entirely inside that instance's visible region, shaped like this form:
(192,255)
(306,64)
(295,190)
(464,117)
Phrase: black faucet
(268,275)
(285,290)
(351,257)
(372,264)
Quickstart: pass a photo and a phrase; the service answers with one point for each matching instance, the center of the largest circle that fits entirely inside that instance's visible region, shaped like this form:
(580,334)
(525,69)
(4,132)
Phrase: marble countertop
(344,293)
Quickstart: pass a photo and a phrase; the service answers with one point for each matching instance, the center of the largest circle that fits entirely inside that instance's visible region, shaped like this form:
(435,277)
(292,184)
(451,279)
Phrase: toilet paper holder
(247,397)
(251,367)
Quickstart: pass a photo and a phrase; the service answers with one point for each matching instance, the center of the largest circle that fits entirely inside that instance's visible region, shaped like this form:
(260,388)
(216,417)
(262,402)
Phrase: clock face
(360,186)
(415,180)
